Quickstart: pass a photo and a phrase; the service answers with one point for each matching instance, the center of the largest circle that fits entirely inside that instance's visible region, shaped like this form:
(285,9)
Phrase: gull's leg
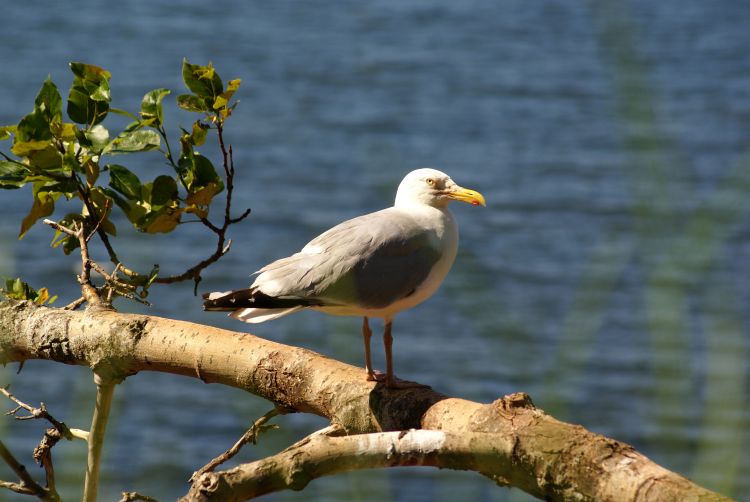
(390,379)
(367,335)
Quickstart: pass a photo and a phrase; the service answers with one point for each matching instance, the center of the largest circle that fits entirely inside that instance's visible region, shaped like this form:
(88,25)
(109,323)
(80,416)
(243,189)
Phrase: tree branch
(321,455)
(550,459)
(105,389)
(90,293)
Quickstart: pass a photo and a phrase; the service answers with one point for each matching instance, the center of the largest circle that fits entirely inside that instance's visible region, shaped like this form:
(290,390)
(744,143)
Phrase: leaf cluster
(19,290)
(66,159)
(71,156)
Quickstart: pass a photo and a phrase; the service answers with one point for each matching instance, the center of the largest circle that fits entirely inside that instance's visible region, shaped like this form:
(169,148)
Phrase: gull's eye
(430,182)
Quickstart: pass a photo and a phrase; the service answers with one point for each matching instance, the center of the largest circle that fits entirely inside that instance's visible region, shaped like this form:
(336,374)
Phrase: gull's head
(433,188)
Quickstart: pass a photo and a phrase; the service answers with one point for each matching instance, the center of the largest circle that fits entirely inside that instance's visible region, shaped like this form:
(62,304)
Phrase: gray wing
(370,261)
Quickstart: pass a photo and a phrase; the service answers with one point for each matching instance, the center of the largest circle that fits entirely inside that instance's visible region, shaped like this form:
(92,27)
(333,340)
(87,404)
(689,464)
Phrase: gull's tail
(250,305)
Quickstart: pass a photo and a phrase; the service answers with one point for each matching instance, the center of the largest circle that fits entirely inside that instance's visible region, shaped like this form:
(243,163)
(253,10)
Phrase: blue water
(607,277)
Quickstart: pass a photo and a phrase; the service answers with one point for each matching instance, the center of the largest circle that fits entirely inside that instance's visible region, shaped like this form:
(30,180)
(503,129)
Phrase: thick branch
(551,459)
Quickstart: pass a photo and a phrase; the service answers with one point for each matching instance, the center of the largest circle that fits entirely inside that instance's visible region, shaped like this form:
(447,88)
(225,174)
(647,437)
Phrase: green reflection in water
(676,252)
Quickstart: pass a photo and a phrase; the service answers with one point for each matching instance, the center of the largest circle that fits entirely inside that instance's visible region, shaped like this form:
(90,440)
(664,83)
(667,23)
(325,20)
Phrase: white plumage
(375,265)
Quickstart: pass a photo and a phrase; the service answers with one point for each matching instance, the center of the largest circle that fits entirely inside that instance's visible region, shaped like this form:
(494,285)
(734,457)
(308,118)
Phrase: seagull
(374,265)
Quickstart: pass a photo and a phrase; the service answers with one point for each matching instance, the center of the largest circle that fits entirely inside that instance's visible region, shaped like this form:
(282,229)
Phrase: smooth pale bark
(547,458)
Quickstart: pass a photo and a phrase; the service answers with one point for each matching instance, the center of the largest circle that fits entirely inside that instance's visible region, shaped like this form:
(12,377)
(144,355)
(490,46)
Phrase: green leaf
(134,210)
(64,131)
(191,103)
(46,161)
(33,127)
(12,174)
(93,78)
(223,99)
(89,97)
(43,205)
(200,178)
(26,148)
(198,136)
(123,113)
(100,202)
(66,187)
(124,181)
(159,206)
(115,196)
(16,288)
(151,107)
(197,171)
(36,126)
(49,102)
(68,242)
(91,169)
(6,131)
(163,191)
(160,222)
(204,195)
(83,109)
(203,81)
(133,141)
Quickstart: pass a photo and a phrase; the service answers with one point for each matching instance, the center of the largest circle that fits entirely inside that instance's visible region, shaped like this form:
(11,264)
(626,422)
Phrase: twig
(19,469)
(42,413)
(250,436)
(74,305)
(17,487)
(99,222)
(27,486)
(43,452)
(90,293)
(43,455)
(194,272)
(84,193)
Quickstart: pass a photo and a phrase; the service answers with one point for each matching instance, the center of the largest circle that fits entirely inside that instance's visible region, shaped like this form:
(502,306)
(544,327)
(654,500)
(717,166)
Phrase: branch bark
(322,454)
(534,452)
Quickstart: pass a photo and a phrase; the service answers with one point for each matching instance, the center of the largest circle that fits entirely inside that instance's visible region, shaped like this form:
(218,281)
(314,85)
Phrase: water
(606,277)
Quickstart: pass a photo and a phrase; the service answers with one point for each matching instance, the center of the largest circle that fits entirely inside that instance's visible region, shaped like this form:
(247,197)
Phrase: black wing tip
(225,302)
(251,298)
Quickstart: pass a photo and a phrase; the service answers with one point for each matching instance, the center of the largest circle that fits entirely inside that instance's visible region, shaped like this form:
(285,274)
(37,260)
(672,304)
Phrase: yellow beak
(466,195)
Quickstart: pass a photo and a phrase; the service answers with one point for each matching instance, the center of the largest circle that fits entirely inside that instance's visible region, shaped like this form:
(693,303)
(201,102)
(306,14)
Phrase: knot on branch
(43,452)
(514,401)
(297,477)
(98,306)
(111,360)
(209,486)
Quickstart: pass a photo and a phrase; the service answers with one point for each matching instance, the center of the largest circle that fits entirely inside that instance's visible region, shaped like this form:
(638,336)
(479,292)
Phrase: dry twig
(250,436)
(222,243)
(43,452)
